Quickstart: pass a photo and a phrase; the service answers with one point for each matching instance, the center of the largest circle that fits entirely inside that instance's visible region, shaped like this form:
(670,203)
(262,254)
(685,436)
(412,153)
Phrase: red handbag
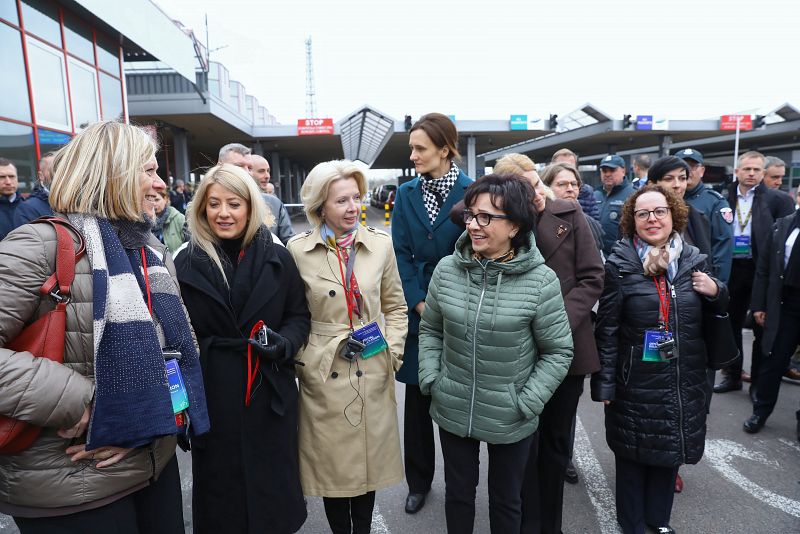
(45,337)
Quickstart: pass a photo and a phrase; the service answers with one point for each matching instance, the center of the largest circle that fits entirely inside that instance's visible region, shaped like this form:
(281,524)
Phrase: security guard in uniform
(704,199)
(610,198)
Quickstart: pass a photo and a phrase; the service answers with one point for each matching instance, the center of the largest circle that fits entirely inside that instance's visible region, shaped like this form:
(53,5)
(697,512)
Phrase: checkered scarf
(132,404)
(435,190)
(659,260)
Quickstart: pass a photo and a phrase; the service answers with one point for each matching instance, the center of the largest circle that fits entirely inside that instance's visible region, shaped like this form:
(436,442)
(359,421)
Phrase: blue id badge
(651,352)
(741,245)
(372,338)
(177,389)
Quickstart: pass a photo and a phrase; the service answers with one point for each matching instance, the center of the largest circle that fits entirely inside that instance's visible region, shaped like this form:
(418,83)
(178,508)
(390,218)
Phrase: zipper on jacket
(475,349)
(678,369)
(151,451)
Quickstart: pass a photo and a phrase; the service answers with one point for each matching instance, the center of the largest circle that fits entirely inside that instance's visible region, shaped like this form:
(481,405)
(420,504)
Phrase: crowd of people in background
(491,300)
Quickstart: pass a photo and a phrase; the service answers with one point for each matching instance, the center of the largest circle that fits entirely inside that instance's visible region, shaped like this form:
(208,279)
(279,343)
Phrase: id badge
(177,389)
(741,245)
(651,352)
(372,338)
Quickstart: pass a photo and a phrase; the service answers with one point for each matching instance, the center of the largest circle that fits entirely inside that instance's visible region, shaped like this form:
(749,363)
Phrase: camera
(352,349)
(261,336)
(665,347)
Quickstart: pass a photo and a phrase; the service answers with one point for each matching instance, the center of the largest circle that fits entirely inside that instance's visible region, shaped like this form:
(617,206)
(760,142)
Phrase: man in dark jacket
(38,203)
(616,188)
(179,197)
(9,199)
(756,208)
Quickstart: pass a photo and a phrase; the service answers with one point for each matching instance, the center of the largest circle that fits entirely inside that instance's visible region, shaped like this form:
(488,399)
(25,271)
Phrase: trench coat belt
(336,334)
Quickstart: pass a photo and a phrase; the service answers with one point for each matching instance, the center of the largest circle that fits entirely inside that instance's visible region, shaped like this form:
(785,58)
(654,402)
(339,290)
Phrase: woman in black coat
(234,279)
(656,291)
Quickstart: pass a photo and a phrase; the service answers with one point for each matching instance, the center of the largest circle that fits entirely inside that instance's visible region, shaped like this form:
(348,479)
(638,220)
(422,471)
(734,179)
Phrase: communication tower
(311,99)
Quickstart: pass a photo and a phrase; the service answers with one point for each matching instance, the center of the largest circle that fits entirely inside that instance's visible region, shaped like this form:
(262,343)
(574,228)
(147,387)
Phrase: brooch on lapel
(561,230)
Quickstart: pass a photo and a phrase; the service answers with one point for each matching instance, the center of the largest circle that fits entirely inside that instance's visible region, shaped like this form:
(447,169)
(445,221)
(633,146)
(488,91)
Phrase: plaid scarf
(435,190)
(132,404)
(658,260)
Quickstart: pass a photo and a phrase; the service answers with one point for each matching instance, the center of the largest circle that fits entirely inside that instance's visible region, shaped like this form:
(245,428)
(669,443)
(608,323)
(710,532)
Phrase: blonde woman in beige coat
(349,438)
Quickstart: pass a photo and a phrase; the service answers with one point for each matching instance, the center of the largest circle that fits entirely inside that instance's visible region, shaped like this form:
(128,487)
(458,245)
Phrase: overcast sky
(675,59)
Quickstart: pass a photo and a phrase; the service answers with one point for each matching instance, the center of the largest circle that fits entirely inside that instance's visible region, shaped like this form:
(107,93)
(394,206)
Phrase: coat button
(334,375)
(430,236)
(332,293)
(359,373)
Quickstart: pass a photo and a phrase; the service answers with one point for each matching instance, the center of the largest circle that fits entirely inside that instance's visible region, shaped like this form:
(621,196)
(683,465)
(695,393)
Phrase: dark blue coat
(610,205)
(37,205)
(7,210)
(719,214)
(419,247)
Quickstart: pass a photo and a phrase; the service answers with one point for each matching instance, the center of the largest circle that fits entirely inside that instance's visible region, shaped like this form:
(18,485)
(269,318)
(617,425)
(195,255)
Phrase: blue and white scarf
(132,404)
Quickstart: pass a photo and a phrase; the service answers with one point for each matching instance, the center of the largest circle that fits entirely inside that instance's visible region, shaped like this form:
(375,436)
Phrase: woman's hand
(703,284)
(606,402)
(759,317)
(105,456)
(420,307)
(78,428)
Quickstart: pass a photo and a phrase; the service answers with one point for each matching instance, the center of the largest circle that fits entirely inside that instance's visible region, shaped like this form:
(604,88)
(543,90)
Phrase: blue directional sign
(518,122)
(644,122)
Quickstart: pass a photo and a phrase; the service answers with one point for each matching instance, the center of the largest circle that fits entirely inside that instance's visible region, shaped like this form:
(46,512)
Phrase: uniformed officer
(714,206)
(616,188)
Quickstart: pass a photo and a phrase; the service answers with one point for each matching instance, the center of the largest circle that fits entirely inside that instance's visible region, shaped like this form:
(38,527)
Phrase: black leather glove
(275,351)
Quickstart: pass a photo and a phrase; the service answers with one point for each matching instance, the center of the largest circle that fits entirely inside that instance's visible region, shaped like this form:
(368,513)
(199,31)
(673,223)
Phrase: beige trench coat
(348,433)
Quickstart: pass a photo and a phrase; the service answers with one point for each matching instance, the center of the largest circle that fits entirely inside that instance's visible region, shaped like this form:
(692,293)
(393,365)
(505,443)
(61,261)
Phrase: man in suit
(755,209)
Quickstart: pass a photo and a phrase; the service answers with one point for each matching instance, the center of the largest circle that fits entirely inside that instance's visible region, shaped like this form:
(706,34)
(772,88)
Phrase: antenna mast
(311,100)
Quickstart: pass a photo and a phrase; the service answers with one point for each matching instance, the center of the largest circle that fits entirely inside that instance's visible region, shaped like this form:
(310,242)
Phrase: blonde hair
(97,172)
(238,182)
(518,164)
(314,192)
(514,164)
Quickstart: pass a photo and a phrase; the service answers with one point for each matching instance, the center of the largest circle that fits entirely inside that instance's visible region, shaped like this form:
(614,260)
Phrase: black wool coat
(658,411)
(246,470)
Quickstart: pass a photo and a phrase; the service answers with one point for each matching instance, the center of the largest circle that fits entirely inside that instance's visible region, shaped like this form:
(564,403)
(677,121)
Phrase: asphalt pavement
(745,483)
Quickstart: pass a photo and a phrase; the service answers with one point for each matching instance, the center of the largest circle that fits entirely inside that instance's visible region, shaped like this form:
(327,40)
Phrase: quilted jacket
(657,414)
(495,343)
(42,480)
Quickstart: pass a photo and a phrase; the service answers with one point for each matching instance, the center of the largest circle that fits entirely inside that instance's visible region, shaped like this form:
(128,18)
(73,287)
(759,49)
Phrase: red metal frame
(97,67)
(66,67)
(24,37)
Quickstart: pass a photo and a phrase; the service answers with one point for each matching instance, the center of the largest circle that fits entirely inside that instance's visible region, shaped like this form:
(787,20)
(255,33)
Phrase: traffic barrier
(387,214)
(363,214)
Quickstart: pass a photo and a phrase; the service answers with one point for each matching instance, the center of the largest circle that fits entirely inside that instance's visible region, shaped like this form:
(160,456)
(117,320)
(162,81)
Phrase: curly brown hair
(676,205)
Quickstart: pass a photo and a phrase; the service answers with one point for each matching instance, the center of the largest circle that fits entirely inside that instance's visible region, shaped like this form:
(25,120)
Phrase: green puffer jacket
(494,343)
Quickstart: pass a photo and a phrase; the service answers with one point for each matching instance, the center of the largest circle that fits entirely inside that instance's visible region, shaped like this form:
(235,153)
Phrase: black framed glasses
(483,219)
(643,215)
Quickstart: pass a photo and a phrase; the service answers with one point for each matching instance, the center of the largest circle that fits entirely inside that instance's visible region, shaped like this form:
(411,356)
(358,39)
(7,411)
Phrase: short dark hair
(512,194)
(442,132)
(4,162)
(643,162)
(664,165)
(678,208)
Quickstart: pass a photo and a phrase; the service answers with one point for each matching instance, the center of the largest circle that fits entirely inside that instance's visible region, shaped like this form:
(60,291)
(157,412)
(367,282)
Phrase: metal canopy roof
(364,133)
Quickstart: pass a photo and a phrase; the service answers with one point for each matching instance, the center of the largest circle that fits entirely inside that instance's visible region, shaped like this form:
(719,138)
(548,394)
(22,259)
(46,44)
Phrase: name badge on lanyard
(372,338)
(659,344)
(741,245)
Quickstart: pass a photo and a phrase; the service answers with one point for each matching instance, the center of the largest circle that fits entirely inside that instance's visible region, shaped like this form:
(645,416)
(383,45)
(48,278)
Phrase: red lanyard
(348,292)
(252,371)
(663,301)
(147,283)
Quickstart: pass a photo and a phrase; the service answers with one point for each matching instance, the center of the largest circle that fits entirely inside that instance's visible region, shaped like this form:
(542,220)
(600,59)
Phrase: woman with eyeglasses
(495,343)
(652,355)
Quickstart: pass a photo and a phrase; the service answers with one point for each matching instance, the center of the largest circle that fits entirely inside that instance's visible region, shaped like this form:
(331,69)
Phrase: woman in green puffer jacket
(495,343)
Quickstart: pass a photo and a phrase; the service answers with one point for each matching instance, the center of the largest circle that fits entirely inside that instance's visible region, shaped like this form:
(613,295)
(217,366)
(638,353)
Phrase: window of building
(8,11)
(15,103)
(83,89)
(48,82)
(107,55)
(16,144)
(40,18)
(78,39)
(111,93)
(50,141)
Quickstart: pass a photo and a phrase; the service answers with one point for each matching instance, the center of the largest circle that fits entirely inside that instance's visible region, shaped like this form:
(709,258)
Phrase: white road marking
(379,525)
(595,479)
(790,444)
(722,452)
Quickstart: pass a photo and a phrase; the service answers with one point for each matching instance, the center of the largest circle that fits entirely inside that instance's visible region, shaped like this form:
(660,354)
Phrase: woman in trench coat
(349,438)
(233,279)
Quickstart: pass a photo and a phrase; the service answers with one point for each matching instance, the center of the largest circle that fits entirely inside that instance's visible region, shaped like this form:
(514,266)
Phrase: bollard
(387,214)
(363,214)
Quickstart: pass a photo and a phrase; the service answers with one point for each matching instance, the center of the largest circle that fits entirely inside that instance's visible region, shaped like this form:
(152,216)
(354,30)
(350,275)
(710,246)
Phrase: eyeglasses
(572,183)
(643,215)
(483,219)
